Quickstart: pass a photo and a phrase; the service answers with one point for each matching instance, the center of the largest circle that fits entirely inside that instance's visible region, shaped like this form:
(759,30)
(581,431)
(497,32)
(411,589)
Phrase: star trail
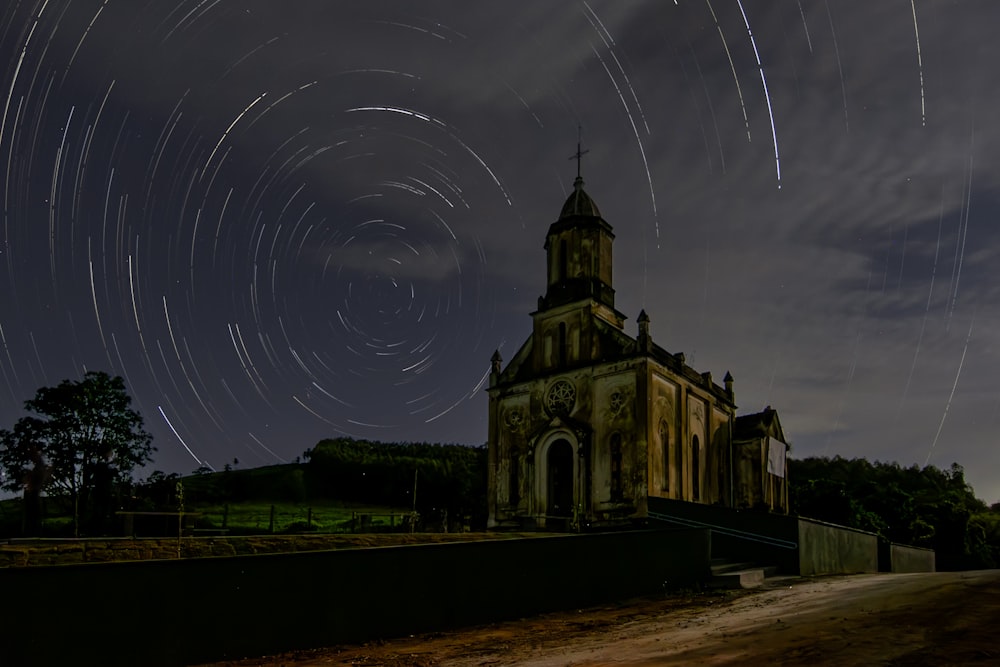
(281,222)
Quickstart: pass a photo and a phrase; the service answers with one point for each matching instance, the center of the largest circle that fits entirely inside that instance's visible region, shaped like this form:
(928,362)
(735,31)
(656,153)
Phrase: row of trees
(81,442)
(448,478)
(926,507)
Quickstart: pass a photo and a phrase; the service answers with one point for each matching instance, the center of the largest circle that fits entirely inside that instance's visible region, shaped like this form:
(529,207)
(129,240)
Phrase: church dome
(579,203)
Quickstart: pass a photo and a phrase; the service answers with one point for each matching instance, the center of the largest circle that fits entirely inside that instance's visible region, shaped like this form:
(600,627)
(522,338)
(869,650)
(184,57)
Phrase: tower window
(563,260)
(562,344)
(616,466)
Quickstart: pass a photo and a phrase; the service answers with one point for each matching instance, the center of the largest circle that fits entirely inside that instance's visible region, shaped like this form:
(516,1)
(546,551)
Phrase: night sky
(284,221)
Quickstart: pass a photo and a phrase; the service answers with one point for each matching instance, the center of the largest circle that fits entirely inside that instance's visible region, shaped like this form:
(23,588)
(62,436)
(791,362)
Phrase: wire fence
(278,519)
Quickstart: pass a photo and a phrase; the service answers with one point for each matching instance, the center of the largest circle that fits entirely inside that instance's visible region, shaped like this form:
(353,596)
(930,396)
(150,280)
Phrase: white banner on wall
(776,457)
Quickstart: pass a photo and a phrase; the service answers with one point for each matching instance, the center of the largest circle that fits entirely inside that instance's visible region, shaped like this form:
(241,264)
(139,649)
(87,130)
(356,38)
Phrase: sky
(282,222)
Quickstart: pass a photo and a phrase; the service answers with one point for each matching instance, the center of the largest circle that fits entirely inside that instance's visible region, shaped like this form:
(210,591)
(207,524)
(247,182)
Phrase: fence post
(309,518)
(179,488)
(225,515)
(270,526)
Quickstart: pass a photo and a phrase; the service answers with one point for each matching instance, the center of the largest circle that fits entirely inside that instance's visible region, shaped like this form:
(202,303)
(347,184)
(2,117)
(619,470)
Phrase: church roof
(758,425)
(579,203)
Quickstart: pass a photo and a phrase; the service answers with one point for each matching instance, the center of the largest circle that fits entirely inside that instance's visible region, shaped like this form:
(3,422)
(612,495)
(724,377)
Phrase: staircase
(729,574)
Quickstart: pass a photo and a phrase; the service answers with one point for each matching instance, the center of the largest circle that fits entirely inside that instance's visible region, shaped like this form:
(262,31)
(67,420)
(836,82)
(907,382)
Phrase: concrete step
(751,577)
(724,566)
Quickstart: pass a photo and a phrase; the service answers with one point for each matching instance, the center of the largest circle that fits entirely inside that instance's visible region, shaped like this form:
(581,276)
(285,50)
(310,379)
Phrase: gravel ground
(946,618)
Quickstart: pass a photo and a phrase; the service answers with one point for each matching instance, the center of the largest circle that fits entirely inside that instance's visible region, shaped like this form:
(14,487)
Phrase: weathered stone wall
(902,558)
(912,559)
(829,549)
(795,545)
(210,609)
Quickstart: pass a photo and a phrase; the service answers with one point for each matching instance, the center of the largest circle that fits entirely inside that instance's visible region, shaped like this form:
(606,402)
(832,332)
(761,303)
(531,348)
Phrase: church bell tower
(579,296)
(578,248)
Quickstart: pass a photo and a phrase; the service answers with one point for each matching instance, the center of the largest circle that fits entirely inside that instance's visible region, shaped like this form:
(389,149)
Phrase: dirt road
(947,618)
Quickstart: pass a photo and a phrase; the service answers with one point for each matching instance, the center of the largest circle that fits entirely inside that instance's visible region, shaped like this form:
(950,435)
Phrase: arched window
(515,477)
(616,466)
(665,449)
(695,469)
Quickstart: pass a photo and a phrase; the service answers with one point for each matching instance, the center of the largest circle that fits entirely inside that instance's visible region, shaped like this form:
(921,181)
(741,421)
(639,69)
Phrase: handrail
(731,532)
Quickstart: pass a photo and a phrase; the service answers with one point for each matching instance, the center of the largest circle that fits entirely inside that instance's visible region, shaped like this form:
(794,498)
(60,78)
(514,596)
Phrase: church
(586,422)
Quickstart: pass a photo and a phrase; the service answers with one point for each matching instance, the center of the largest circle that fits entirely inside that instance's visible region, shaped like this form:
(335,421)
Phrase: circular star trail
(282,223)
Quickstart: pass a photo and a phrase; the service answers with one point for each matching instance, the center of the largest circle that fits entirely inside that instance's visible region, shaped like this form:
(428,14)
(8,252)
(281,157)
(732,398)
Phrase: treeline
(926,507)
(449,478)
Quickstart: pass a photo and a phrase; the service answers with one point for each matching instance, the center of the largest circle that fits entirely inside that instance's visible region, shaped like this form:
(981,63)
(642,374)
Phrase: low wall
(796,545)
(737,535)
(902,558)
(204,609)
(826,548)
(27,552)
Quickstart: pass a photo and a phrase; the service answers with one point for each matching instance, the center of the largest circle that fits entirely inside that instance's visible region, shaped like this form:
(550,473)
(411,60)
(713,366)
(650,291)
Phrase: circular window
(561,398)
(617,400)
(514,420)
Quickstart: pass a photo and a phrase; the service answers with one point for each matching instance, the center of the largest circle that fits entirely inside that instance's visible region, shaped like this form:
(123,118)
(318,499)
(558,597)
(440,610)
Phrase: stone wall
(903,558)
(826,548)
(795,545)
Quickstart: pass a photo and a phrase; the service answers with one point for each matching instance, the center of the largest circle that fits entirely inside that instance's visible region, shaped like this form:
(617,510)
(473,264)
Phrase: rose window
(561,397)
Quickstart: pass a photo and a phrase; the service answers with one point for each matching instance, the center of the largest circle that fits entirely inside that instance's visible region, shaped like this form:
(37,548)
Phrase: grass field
(320,516)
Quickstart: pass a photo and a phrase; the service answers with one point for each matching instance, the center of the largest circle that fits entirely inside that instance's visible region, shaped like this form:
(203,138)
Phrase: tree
(81,444)
(927,507)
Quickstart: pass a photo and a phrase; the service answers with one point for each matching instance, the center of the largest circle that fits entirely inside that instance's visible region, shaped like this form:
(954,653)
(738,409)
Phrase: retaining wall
(204,609)
(738,535)
(796,545)
(825,548)
(902,558)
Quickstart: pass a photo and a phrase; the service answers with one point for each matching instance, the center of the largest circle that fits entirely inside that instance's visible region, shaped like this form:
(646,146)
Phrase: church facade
(587,422)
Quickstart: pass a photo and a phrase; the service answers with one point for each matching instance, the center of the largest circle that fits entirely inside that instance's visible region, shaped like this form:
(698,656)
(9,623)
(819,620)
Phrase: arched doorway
(560,479)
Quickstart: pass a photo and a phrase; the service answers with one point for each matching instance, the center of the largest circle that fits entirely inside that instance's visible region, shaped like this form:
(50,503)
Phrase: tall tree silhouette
(80,442)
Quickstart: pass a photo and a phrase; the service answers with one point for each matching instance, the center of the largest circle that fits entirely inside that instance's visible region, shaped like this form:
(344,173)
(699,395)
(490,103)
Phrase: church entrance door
(560,482)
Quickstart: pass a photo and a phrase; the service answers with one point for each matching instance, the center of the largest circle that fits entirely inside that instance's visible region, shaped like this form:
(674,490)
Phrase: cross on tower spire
(578,155)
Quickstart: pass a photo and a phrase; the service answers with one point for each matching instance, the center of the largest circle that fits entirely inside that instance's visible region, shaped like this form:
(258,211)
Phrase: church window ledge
(617,504)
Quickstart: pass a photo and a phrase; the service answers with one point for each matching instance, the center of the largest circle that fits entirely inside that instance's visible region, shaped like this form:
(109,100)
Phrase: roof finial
(578,155)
